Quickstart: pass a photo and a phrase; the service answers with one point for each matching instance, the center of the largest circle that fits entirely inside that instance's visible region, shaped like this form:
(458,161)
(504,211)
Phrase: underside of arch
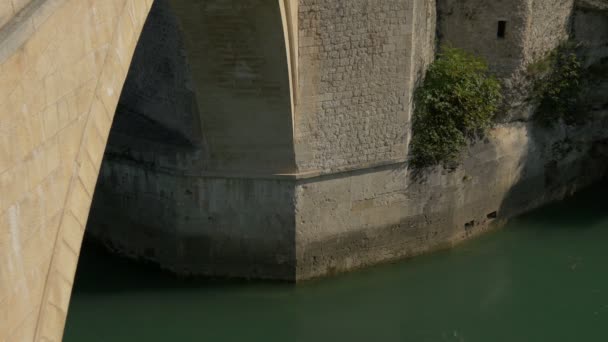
(62,68)
(198,184)
(238,57)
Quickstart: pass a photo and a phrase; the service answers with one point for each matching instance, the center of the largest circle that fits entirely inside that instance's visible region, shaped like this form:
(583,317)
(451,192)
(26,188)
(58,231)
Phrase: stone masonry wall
(357,218)
(473,25)
(549,25)
(534,28)
(354,67)
(361,218)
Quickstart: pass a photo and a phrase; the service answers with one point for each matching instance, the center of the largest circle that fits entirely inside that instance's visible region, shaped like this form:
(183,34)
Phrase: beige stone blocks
(110,82)
(58,93)
(49,323)
(25,330)
(12,184)
(73,231)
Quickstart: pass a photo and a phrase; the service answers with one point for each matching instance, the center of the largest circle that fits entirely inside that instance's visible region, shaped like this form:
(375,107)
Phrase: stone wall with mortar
(355,64)
(62,65)
(533,28)
(549,25)
(473,25)
(360,218)
(353,219)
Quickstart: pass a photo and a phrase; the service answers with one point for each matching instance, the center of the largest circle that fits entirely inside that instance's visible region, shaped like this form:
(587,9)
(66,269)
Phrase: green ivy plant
(455,104)
(558,88)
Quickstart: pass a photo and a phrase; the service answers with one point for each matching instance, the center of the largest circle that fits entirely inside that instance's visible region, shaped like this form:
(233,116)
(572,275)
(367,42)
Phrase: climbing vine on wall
(456,103)
(558,86)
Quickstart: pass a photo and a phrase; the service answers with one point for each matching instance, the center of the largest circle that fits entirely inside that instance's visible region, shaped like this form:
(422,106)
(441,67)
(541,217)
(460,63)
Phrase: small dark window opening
(502,29)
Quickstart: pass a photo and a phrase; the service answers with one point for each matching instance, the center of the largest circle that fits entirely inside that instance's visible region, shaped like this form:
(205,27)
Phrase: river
(544,277)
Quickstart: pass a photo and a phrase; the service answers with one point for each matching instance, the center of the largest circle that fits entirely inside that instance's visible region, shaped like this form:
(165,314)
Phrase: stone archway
(191,178)
(62,67)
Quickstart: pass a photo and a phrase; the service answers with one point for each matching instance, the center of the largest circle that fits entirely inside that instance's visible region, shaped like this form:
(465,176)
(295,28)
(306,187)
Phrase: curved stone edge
(289,12)
(114,26)
(55,301)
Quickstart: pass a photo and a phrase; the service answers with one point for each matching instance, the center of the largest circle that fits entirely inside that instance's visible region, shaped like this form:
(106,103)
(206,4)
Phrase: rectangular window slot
(492,215)
(502,29)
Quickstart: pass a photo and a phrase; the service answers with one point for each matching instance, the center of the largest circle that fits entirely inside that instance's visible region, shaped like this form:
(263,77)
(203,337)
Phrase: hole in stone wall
(492,215)
(469,225)
(502,29)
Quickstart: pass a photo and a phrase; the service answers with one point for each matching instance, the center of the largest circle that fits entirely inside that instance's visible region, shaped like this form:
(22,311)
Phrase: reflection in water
(542,279)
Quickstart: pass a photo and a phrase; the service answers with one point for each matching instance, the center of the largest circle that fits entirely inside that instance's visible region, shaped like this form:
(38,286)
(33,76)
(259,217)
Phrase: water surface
(543,278)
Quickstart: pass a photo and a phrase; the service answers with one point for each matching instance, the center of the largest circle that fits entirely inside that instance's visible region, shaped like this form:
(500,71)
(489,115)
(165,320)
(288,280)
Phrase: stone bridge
(268,83)
(257,138)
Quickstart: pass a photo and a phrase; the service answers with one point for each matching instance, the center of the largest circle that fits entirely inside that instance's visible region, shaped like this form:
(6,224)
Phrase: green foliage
(558,90)
(456,102)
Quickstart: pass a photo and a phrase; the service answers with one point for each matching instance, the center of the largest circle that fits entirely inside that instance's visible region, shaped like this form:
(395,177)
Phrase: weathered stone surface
(57,58)
(238,59)
(260,138)
(356,61)
(360,218)
(348,212)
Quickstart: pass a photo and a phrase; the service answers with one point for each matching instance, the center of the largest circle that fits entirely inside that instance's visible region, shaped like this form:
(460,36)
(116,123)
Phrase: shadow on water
(99,271)
(576,212)
(542,278)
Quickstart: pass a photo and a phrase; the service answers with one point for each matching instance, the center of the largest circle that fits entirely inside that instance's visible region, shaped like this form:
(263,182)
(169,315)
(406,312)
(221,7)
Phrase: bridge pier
(264,139)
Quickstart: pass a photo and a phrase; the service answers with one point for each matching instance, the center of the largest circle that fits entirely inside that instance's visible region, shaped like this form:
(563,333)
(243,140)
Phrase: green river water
(542,278)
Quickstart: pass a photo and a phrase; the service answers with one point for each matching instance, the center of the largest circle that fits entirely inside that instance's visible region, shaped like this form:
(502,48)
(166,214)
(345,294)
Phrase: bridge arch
(62,68)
